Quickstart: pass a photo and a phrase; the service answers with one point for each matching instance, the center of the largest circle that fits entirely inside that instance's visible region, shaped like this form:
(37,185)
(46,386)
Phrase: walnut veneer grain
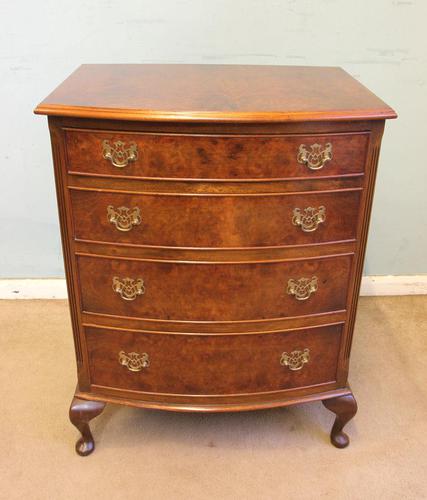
(212,296)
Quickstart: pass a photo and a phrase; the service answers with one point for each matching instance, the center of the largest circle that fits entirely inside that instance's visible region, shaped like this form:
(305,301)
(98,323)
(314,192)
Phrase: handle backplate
(134,361)
(302,288)
(128,288)
(295,360)
(316,157)
(309,218)
(124,218)
(118,153)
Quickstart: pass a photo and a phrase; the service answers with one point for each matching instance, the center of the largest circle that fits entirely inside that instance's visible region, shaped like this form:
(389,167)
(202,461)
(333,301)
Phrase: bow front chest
(214,222)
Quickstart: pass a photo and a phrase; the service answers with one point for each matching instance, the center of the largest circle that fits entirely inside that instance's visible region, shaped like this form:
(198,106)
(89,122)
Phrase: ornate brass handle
(302,288)
(316,157)
(123,218)
(309,219)
(133,361)
(128,288)
(295,360)
(119,154)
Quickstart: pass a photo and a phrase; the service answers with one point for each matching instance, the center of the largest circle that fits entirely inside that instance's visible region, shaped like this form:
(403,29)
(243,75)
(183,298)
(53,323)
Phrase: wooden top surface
(225,93)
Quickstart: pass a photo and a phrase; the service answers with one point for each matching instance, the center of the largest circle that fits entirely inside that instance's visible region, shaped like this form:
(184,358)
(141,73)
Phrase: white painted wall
(381,42)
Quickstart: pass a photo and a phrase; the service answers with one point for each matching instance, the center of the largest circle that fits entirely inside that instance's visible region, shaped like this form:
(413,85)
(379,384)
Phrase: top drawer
(176,156)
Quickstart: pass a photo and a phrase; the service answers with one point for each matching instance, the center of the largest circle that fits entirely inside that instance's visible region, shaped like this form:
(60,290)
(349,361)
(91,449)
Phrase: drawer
(215,221)
(212,365)
(114,153)
(191,291)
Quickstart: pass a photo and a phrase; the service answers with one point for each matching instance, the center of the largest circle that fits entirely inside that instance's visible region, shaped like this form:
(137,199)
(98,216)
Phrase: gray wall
(381,42)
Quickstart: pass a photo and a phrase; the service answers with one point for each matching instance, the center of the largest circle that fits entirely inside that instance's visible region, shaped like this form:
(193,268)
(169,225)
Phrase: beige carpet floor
(272,454)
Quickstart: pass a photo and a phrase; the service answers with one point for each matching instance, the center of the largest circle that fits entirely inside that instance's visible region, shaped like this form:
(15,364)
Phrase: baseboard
(394,285)
(56,288)
(46,288)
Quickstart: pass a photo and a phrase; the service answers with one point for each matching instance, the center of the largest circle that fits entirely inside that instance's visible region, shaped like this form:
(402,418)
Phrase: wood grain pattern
(244,327)
(221,93)
(372,164)
(213,365)
(213,292)
(218,255)
(214,404)
(223,186)
(216,181)
(215,221)
(214,157)
(58,155)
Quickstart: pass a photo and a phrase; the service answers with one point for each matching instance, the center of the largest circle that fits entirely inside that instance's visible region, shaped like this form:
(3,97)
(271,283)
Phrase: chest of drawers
(214,222)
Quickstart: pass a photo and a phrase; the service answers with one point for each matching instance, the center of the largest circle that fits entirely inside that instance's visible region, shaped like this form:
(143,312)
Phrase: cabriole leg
(344,407)
(81,413)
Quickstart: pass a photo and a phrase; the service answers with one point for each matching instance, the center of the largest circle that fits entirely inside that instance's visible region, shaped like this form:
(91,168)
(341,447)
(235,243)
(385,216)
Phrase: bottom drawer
(213,364)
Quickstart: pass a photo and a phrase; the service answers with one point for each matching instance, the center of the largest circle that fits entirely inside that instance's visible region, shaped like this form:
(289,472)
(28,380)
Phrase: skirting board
(56,288)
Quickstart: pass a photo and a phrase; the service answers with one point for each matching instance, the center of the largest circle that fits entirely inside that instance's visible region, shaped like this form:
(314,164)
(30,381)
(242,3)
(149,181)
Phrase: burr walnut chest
(214,222)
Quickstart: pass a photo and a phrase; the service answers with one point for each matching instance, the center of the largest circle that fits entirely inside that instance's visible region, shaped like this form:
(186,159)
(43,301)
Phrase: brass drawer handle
(302,288)
(296,359)
(118,153)
(309,218)
(124,218)
(316,157)
(133,361)
(128,288)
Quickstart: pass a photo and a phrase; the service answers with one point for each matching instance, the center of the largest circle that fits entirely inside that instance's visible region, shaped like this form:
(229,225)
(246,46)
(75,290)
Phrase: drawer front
(215,221)
(215,157)
(213,292)
(211,365)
